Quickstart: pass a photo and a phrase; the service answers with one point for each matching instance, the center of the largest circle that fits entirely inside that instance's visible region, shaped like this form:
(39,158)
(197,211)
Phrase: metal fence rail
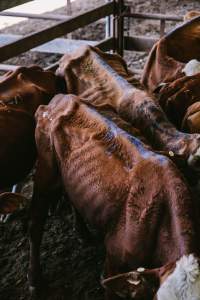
(153,16)
(118,42)
(63,27)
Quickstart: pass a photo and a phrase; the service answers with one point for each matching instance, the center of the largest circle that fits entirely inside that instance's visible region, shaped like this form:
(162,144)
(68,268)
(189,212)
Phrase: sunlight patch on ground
(34,7)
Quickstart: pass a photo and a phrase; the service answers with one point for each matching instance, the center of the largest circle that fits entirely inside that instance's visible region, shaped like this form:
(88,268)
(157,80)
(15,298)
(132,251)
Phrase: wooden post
(69,13)
(69,8)
(120,28)
(162,22)
(114,25)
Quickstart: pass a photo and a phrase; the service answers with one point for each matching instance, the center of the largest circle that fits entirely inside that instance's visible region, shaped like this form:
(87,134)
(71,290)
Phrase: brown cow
(179,100)
(169,55)
(102,80)
(135,197)
(175,60)
(21,92)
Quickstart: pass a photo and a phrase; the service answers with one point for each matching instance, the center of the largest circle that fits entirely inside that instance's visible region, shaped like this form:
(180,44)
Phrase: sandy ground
(72,265)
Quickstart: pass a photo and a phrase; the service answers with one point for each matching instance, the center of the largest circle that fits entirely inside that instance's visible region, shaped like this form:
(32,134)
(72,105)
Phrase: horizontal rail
(61,28)
(138,43)
(153,16)
(104,45)
(4,67)
(34,16)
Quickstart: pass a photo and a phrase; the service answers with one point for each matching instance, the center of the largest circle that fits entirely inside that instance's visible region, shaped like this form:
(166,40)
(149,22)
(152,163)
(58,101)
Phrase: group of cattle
(125,157)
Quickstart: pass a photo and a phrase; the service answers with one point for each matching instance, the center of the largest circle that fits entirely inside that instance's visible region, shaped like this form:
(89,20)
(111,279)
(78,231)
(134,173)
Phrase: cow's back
(97,159)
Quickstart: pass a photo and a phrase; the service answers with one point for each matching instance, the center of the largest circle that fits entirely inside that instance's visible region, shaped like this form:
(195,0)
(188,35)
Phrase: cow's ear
(133,285)
(10,202)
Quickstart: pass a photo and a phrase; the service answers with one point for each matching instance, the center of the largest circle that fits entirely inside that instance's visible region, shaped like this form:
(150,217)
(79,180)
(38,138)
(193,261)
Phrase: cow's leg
(144,113)
(38,214)
(79,225)
(47,189)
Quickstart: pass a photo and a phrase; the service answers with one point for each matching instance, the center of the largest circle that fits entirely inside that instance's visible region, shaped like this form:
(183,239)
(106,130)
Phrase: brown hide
(102,80)
(177,97)
(191,121)
(169,56)
(135,197)
(164,65)
(21,92)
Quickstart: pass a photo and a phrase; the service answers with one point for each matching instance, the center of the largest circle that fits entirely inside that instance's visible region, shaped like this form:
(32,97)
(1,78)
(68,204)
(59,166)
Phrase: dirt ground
(72,265)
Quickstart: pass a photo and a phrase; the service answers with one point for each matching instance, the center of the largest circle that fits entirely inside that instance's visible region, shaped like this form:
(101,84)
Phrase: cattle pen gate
(117,13)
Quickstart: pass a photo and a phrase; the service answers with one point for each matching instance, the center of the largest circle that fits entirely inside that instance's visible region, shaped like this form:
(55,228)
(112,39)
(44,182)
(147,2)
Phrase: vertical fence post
(114,26)
(69,7)
(120,27)
(108,29)
(69,13)
(162,22)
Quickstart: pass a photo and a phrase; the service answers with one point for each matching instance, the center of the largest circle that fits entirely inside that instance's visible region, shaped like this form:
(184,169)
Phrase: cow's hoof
(4,218)
(36,285)
(34,294)
(37,292)
(194,160)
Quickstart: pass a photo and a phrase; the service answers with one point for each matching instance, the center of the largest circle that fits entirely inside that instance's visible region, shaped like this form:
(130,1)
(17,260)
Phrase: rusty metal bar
(35,16)
(138,43)
(43,36)
(153,16)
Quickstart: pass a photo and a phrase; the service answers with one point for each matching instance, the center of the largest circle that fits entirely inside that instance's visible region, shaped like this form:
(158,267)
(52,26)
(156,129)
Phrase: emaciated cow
(135,197)
(21,92)
(102,80)
(173,72)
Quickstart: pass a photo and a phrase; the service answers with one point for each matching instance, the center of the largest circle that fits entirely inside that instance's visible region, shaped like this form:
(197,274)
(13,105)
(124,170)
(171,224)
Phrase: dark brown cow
(135,197)
(179,100)
(169,55)
(21,92)
(102,80)
(175,60)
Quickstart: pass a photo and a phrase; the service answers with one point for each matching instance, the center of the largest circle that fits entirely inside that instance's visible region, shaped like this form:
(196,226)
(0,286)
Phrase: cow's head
(175,281)
(28,87)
